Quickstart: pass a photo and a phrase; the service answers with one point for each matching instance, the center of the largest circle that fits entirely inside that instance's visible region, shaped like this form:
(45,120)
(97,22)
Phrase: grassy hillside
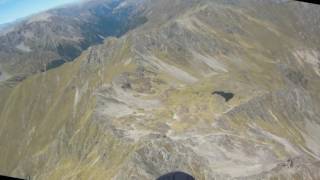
(142,105)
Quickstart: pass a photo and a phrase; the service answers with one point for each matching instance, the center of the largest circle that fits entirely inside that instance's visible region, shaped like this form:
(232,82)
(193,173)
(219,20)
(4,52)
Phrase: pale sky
(11,10)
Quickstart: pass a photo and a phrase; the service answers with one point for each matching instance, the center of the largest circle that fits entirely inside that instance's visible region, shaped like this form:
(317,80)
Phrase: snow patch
(42,17)
(23,47)
(213,63)
(170,69)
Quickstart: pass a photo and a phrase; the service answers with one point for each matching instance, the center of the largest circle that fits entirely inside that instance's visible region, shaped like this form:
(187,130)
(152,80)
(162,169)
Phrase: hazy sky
(11,10)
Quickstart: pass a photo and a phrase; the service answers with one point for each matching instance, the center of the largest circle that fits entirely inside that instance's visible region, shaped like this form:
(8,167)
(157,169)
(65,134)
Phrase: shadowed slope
(46,40)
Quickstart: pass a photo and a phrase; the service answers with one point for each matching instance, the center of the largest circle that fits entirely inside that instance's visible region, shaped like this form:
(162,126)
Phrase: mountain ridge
(142,105)
(50,38)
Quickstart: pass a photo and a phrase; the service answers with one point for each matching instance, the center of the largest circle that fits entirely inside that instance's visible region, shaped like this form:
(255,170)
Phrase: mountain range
(134,89)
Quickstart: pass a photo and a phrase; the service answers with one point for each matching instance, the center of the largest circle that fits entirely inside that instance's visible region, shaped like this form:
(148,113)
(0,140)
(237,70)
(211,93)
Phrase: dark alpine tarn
(226,95)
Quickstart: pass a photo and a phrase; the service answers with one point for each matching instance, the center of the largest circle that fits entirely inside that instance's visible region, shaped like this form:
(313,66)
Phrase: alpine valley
(134,89)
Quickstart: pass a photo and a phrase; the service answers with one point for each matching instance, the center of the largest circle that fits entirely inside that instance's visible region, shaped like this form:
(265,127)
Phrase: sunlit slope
(143,105)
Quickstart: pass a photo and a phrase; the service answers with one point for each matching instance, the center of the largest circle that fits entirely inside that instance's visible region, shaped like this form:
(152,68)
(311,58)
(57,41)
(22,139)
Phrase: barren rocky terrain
(219,89)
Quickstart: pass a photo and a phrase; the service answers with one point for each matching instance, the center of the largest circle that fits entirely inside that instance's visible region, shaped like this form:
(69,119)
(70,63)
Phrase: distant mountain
(218,89)
(51,38)
(2,26)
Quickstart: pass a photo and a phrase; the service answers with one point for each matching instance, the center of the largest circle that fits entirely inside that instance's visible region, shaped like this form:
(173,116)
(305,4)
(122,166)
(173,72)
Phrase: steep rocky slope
(146,103)
(51,38)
